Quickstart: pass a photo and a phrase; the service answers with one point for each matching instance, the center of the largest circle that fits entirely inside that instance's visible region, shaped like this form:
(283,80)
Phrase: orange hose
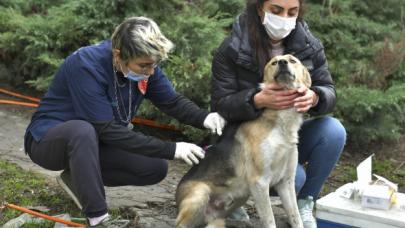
(145,122)
(32,105)
(19,95)
(47,217)
(152,123)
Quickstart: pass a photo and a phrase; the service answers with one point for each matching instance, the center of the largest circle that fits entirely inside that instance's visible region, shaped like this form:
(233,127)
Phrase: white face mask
(278,27)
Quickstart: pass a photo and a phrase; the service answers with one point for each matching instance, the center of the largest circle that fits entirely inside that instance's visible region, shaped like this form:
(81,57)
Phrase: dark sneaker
(65,181)
(113,223)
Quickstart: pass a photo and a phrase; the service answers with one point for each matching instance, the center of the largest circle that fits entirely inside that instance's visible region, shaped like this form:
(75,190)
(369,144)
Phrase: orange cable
(51,218)
(145,122)
(32,105)
(19,95)
(152,123)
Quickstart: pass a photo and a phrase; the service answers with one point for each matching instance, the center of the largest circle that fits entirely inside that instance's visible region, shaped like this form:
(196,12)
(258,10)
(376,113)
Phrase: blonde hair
(140,37)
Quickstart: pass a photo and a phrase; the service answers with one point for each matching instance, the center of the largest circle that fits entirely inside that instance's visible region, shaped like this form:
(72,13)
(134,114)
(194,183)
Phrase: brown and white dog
(247,160)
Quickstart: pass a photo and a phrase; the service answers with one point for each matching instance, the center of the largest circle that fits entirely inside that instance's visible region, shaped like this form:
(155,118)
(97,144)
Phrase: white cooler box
(334,211)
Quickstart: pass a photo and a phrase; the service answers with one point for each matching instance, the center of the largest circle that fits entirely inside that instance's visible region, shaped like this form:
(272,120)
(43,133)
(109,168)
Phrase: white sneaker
(109,222)
(239,214)
(305,207)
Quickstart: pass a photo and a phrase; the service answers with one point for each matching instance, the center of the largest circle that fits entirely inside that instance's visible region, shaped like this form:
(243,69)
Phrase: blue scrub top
(83,89)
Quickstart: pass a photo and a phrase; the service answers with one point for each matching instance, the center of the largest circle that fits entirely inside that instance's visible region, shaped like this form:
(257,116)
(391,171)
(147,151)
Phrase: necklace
(118,83)
(127,119)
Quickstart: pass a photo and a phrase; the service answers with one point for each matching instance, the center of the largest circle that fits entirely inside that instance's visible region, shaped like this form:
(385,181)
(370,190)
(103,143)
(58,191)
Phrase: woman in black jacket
(265,29)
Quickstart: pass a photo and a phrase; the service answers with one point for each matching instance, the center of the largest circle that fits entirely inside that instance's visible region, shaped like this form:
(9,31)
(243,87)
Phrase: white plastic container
(334,211)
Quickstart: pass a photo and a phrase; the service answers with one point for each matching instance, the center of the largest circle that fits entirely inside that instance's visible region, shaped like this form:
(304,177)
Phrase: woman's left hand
(215,123)
(307,100)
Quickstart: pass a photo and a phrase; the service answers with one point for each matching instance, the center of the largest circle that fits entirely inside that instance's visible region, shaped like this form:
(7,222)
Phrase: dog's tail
(192,200)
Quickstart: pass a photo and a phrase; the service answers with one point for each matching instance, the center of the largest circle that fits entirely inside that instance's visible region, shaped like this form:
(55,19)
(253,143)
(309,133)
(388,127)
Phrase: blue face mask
(135,77)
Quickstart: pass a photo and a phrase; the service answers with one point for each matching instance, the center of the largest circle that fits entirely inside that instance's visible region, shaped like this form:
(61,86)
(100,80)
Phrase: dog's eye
(293,61)
(274,63)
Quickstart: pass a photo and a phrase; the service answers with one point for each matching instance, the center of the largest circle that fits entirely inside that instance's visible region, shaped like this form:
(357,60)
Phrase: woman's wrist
(315,100)
(256,101)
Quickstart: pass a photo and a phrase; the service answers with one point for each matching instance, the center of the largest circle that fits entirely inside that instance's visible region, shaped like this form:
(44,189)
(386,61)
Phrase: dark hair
(258,37)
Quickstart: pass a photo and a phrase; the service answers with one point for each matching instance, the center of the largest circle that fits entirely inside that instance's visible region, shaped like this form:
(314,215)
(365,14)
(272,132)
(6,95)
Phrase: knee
(81,139)
(334,131)
(160,170)
(80,129)
(300,178)
(339,131)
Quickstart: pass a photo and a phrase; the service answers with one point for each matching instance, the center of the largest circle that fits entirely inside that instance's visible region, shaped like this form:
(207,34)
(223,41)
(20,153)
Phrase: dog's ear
(306,77)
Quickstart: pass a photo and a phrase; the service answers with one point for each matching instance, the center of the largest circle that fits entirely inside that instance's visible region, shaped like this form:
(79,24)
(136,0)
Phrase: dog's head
(287,71)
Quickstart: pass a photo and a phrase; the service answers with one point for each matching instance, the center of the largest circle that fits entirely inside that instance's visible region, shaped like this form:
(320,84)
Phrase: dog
(247,160)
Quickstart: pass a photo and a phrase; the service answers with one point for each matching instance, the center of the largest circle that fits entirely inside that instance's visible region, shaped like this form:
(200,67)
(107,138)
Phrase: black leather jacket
(236,75)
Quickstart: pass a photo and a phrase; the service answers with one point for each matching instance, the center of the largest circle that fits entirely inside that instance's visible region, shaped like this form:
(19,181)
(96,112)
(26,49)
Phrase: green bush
(371,115)
(366,59)
(363,41)
(33,44)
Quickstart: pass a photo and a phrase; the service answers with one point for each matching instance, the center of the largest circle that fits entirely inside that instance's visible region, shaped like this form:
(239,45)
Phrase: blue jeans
(321,141)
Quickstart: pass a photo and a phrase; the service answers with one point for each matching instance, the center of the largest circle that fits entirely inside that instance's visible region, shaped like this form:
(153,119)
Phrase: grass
(392,171)
(345,171)
(28,189)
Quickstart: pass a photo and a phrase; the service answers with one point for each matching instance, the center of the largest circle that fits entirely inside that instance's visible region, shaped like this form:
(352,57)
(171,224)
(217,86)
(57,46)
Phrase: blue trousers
(321,141)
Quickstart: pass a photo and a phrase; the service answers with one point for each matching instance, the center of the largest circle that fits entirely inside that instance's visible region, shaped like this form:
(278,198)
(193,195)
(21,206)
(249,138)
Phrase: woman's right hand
(275,97)
(189,152)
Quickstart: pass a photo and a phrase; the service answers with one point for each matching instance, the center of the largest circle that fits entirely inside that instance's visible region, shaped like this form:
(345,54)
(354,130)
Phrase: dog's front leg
(260,193)
(286,191)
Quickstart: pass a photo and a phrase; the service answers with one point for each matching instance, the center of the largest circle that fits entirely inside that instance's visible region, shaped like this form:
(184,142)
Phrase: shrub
(364,44)
(366,59)
(372,115)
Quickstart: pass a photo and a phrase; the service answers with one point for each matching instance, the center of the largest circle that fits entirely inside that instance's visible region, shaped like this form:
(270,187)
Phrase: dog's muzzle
(284,75)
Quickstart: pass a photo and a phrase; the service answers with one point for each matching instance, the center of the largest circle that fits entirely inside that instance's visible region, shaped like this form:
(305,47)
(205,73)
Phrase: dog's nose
(282,62)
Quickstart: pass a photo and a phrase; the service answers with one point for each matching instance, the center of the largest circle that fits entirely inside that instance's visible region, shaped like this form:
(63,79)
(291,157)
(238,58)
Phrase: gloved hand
(188,152)
(215,123)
